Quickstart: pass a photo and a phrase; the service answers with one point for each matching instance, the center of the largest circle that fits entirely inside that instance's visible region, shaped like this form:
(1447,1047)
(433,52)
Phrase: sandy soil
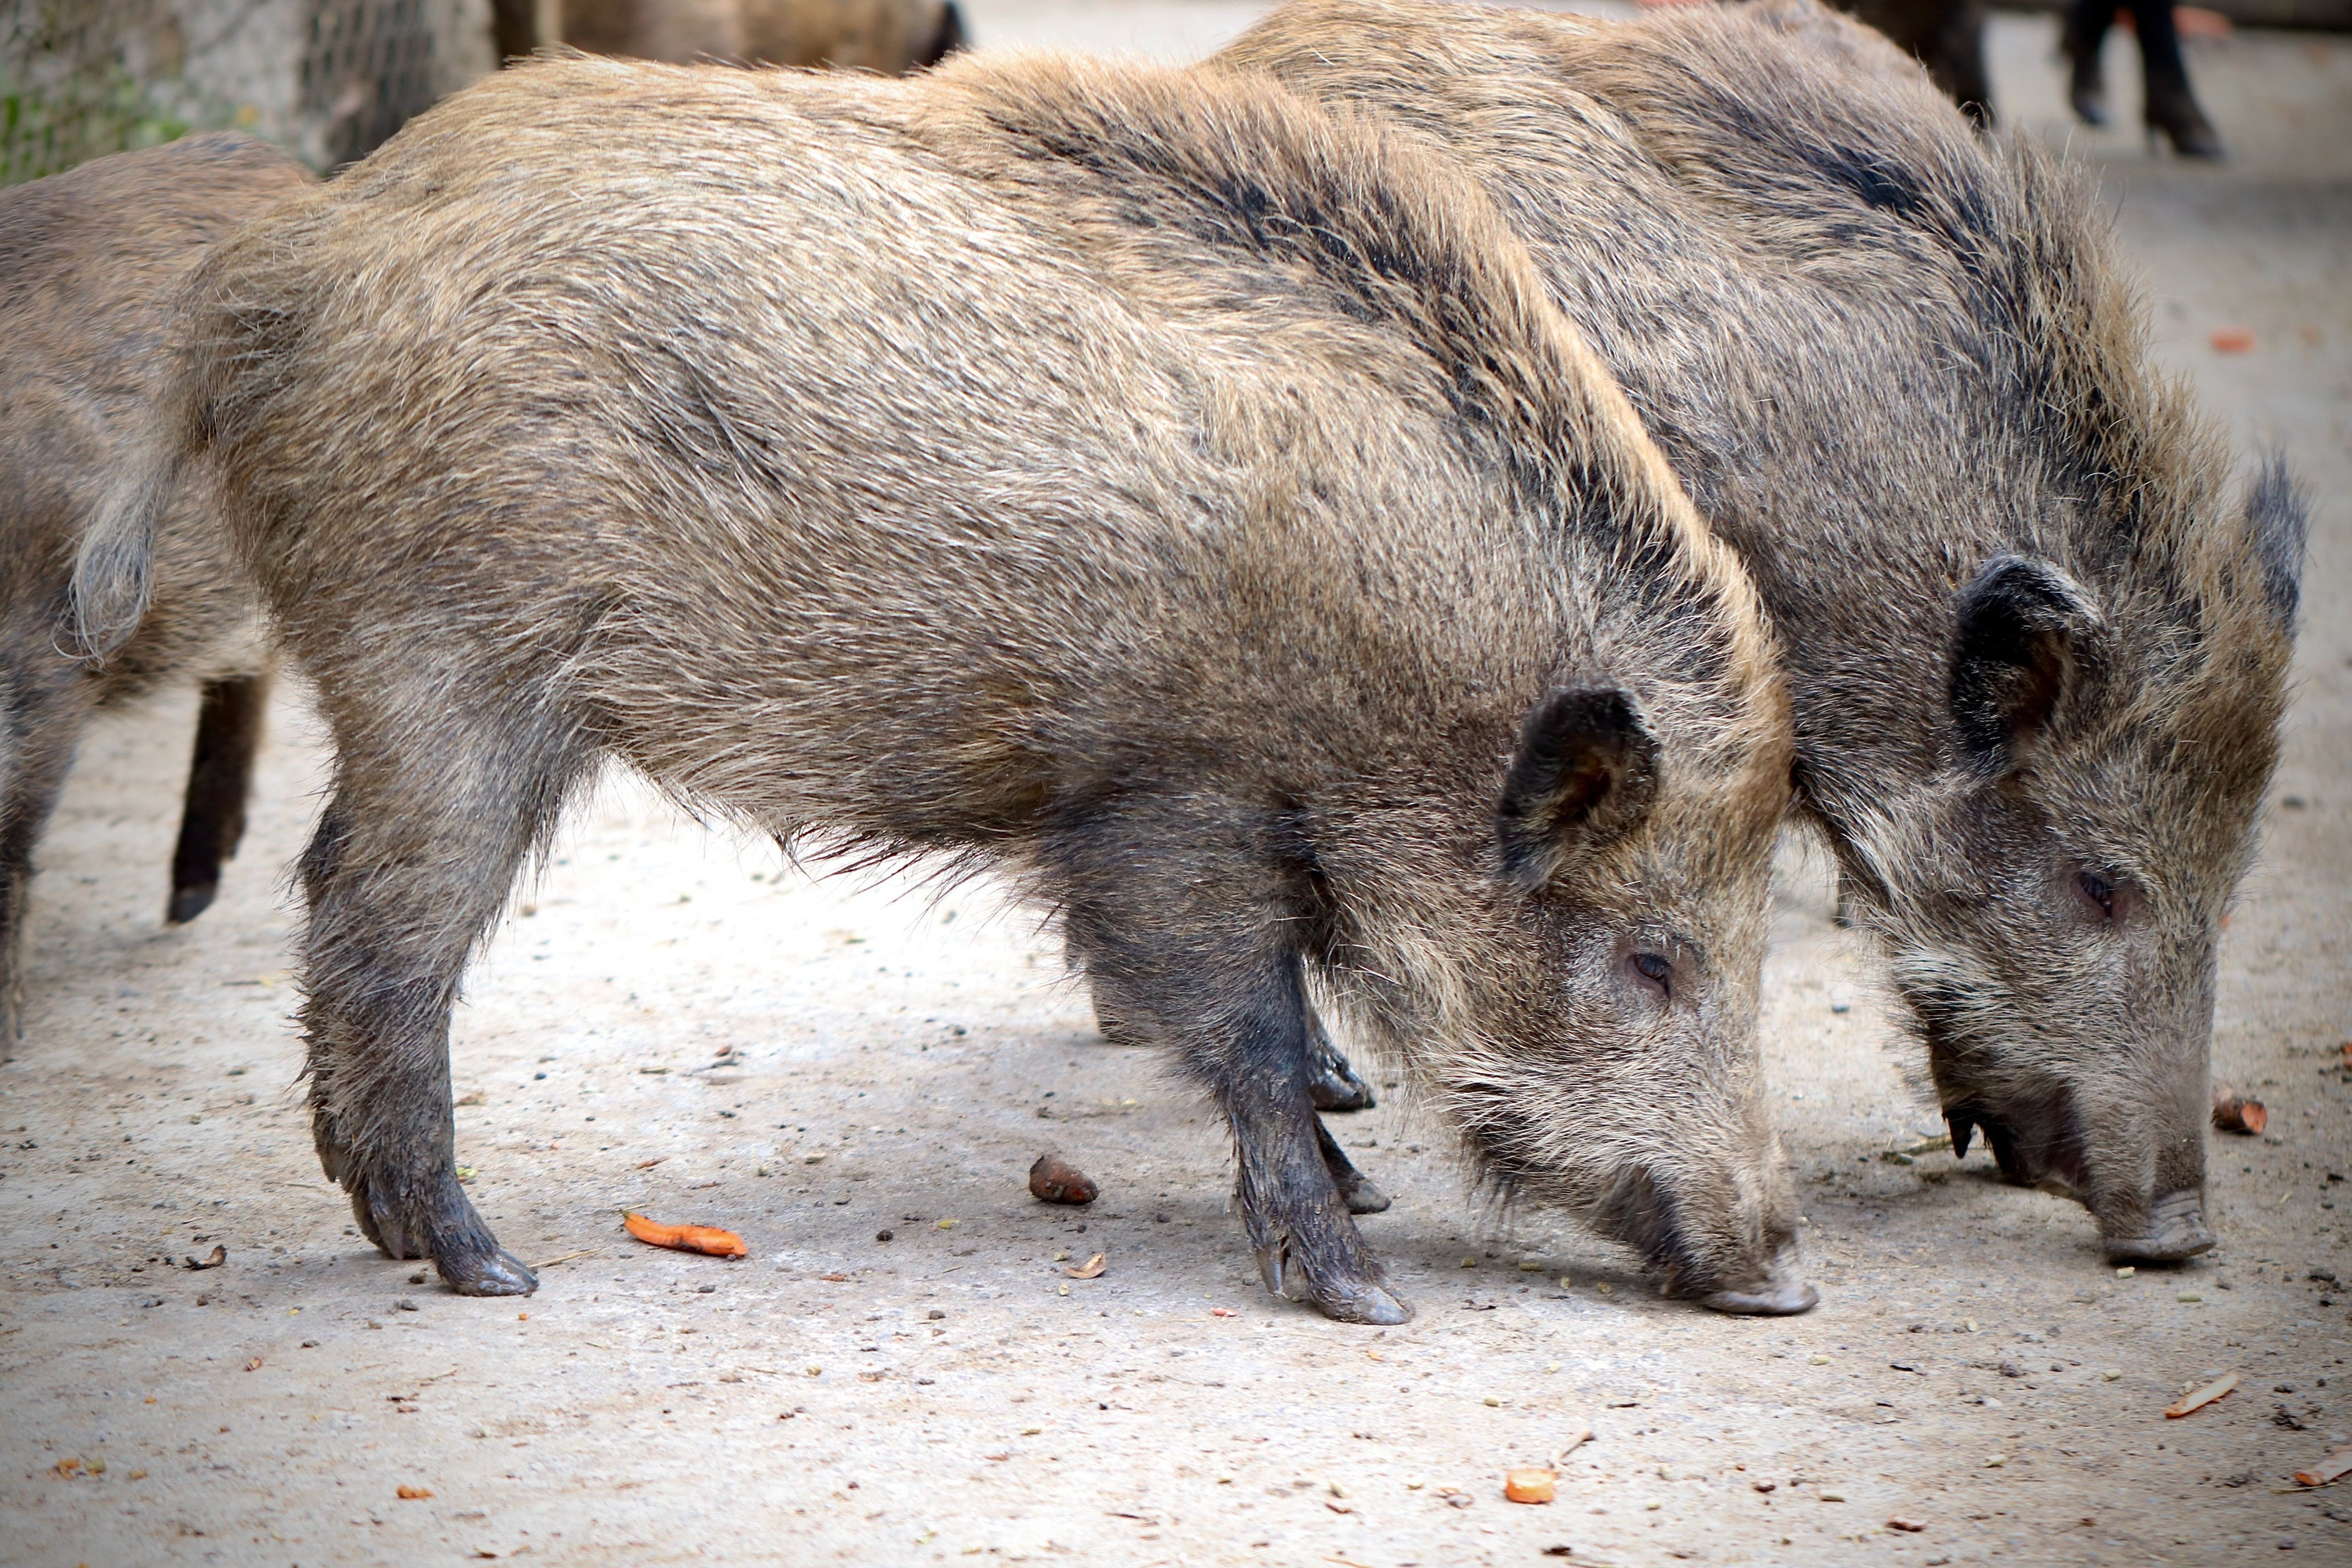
(676,1022)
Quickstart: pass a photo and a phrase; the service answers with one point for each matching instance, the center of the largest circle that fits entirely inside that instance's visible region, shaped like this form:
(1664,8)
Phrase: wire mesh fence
(328,79)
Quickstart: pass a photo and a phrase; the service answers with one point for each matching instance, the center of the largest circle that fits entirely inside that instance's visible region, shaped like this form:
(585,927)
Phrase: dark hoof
(1335,1086)
(2176,1229)
(495,1273)
(1772,1301)
(437,1222)
(1346,1300)
(1363,1195)
(1372,1304)
(190,901)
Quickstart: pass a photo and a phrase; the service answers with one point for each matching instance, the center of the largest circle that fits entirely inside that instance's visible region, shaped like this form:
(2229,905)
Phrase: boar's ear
(2278,522)
(2021,625)
(1585,773)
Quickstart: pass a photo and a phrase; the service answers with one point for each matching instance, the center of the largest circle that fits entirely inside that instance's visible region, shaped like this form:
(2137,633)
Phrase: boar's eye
(1656,970)
(2099,891)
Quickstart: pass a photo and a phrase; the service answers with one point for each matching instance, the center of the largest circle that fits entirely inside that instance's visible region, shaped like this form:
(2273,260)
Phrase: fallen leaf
(2233,340)
(1911,1527)
(1088,1270)
(1530,1486)
(2197,1399)
(685,1238)
(835,1279)
(649,1164)
(213,1259)
(411,1494)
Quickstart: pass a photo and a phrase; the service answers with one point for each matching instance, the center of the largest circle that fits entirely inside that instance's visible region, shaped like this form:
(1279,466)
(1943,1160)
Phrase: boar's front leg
(1128,1026)
(1240,1022)
(228,734)
(47,724)
(1332,1082)
(1297,1189)
(410,865)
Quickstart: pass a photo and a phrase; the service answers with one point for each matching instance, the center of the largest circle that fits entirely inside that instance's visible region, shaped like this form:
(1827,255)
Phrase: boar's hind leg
(228,734)
(410,865)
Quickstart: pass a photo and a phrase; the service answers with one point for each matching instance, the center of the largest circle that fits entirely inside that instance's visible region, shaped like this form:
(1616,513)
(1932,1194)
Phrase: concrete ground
(680,1023)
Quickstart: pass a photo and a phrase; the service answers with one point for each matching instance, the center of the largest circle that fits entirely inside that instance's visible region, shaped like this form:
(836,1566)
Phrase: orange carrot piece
(2197,1399)
(2336,1464)
(685,1238)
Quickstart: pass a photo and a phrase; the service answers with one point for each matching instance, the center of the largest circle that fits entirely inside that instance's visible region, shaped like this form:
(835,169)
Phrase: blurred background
(330,80)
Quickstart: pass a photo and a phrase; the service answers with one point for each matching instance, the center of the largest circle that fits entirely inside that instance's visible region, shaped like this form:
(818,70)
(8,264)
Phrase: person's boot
(2085,36)
(2171,106)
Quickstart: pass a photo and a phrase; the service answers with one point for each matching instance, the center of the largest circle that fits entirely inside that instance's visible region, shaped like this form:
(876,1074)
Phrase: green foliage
(98,109)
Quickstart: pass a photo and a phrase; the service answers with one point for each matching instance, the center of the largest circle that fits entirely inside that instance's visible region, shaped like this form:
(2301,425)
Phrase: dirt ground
(679,1023)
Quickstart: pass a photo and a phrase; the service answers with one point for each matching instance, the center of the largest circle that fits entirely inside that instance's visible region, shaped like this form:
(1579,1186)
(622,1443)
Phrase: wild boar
(2038,658)
(891,37)
(1161,490)
(88,260)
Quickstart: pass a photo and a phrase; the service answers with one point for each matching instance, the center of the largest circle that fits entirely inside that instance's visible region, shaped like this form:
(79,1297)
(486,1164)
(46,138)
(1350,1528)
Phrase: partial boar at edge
(89,263)
(1175,496)
(2038,651)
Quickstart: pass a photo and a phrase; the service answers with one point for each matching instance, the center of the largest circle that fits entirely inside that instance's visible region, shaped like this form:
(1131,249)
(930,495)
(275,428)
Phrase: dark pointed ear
(1585,773)
(2278,521)
(2021,625)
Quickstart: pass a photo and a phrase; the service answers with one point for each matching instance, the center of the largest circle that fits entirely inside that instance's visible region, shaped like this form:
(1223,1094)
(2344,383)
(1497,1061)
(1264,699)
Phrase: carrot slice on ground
(2197,1399)
(685,1238)
(2327,1470)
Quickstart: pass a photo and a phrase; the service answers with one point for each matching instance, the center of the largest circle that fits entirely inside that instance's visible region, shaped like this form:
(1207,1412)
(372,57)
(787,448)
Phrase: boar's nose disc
(2176,1229)
(1772,1301)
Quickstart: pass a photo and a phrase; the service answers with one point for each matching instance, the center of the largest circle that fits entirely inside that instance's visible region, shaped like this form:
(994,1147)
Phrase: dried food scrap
(411,1494)
(685,1238)
(1053,1180)
(2197,1399)
(2335,1464)
(1529,1485)
(2239,1113)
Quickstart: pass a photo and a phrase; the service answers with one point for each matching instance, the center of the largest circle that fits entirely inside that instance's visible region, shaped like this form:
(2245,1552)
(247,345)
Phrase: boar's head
(2114,725)
(1572,970)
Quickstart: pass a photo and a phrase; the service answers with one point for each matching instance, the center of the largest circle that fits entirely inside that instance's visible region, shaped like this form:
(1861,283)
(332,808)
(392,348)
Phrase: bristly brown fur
(89,263)
(1177,496)
(1903,374)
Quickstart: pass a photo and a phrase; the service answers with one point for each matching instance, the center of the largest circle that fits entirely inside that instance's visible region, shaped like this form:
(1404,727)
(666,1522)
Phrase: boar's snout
(1781,1295)
(2176,1229)
(2150,1209)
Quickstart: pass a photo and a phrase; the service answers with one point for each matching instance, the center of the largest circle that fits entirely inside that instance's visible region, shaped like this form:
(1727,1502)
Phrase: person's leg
(2171,106)
(2085,34)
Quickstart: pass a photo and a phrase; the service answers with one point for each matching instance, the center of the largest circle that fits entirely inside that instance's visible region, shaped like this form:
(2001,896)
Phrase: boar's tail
(114,566)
